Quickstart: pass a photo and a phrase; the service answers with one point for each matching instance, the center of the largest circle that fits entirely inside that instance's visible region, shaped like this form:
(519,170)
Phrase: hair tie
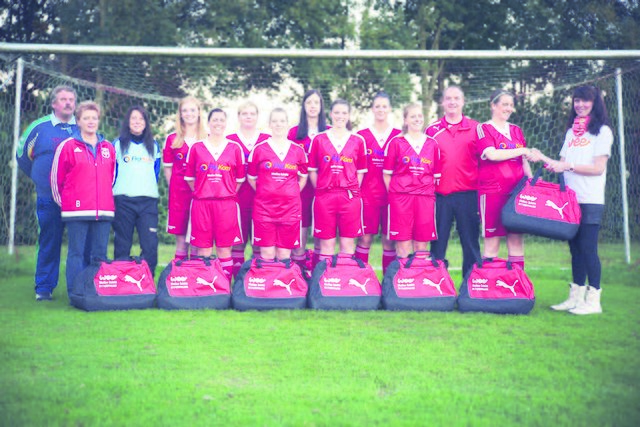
(504,92)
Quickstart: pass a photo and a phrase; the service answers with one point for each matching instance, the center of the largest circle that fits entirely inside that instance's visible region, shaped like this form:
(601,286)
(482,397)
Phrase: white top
(581,150)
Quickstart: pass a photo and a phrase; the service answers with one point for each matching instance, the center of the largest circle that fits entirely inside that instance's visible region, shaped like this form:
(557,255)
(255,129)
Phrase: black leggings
(585,261)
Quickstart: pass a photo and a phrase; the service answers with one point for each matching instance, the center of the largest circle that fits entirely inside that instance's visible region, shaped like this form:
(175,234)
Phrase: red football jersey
(499,177)
(458,155)
(373,189)
(276,173)
(177,159)
(246,193)
(413,171)
(338,162)
(216,173)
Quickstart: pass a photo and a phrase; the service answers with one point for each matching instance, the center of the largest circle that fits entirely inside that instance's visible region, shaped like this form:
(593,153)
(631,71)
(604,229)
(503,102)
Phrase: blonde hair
(180,130)
(87,106)
(247,104)
(405,113)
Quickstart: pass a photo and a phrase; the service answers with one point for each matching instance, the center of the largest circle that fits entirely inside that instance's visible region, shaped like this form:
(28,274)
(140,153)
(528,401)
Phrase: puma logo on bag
(280,283)
(552,205)
(362,286)
(428,282)
(502,284)
(138,283)
(201,281)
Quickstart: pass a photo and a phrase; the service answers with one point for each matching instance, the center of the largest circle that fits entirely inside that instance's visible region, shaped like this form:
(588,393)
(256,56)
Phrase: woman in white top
(583,160)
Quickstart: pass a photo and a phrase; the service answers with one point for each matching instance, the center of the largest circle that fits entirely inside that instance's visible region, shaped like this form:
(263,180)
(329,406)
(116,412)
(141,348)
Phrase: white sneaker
(591,304)
(576,296)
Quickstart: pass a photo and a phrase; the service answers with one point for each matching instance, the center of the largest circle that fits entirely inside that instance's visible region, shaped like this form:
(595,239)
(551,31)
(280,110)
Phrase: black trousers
(463,208)
(140,213)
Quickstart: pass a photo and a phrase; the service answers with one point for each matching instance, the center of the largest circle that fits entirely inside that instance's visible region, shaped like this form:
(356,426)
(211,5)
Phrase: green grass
(61,366)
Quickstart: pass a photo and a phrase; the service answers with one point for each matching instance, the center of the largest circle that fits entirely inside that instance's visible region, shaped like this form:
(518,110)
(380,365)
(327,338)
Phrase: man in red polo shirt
(457,188)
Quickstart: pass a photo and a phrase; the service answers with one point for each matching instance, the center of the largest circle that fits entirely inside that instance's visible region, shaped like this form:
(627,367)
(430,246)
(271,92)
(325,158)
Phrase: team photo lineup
(319,179)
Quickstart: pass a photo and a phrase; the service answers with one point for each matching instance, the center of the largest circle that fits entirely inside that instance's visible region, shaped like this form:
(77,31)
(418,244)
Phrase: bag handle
(538,174)
(415,255)
(206,259)
(490,259)
(334,260)
(260,262)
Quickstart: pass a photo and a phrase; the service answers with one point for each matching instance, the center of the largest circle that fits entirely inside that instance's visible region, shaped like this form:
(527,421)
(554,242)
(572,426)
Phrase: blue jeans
(463,207)
(49,242)
(79,232)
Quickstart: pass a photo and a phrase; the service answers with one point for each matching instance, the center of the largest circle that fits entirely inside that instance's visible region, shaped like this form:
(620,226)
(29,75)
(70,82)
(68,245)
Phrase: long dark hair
(303,126)
(598,115)
(147,134)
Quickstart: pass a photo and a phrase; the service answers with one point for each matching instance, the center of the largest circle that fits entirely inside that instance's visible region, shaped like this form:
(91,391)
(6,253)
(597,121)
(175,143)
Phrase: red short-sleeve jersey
(412,169)
(499,177)
(373,189)
(176,158)
(458,164)
(215,172)
(276,172)
(246,193)
(338,162)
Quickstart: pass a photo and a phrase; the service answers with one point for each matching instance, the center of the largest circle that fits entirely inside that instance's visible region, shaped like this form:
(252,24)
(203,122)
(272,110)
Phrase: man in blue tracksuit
(35,156)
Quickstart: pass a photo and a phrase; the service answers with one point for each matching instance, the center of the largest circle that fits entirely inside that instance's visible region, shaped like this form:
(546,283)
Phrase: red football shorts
(490,207)
(215,220)
(246,194)
(374,217)
(337,210)
(306,199)
(178,210)
(278,234)
(412,217)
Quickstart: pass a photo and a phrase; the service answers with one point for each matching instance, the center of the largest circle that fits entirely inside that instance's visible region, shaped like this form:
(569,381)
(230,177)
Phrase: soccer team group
(409,185)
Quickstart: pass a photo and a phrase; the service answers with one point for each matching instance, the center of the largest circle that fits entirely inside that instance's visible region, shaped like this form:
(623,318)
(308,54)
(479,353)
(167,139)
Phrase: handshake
(535,155)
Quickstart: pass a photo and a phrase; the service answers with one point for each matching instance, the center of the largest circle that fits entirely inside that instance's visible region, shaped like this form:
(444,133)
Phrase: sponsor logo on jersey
(338,158)
(508,145)
(480,281)
(280,166)
(129,158)
(214,167)
(416,160)
(375,151)
(105,152)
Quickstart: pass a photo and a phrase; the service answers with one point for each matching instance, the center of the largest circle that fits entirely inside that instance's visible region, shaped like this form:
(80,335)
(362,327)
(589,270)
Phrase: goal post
(157,77)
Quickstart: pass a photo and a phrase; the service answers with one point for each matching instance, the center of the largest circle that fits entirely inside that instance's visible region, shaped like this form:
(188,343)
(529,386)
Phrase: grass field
(61,366)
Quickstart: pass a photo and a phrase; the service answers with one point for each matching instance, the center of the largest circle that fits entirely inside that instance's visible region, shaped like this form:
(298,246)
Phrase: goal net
(543,90)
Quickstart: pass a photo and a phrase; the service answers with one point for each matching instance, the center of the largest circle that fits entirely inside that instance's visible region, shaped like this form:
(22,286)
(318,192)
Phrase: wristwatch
(572,167)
